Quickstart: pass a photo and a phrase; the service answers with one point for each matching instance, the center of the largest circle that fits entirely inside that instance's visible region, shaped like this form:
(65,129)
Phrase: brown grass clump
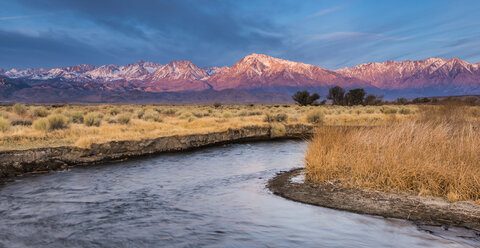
(435,154)
(93,119)
(316,117)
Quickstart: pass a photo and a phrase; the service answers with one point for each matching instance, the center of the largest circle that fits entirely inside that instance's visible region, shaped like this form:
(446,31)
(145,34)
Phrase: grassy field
(435,153)
(23,127)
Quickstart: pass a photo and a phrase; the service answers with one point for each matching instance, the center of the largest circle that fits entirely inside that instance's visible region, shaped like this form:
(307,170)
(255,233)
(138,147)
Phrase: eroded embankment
(423,210)
(17,162)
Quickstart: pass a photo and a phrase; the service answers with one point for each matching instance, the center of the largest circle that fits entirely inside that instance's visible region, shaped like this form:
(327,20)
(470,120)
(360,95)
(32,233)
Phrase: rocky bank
(422,210)
(17,162)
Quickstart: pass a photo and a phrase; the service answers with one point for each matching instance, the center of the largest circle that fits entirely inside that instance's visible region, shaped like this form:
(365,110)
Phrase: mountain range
(255,78)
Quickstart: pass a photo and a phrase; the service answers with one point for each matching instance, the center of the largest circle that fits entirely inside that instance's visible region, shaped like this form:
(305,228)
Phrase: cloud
(7,18)
(355,36)
(326,11)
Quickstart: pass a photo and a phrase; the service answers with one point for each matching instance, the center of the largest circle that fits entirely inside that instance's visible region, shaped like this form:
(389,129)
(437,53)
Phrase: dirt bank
(17,162)
(422,210)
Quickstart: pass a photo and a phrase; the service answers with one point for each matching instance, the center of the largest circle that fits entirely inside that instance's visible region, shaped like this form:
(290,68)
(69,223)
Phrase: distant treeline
(358,96)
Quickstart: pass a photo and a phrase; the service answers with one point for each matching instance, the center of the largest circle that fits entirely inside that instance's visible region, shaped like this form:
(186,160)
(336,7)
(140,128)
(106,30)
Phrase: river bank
(17,162)
(422,210)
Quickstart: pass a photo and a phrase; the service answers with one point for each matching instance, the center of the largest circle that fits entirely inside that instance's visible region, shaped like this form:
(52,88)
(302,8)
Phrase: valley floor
(26,127)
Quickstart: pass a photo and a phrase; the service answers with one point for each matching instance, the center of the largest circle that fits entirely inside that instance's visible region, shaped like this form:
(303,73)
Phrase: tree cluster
(356,96)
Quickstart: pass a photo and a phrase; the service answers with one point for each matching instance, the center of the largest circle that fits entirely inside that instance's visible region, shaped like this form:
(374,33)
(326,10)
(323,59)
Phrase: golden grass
(102,123)
(436,153)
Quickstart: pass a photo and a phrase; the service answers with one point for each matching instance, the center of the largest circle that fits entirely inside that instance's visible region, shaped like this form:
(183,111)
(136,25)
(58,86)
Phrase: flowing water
(213,197)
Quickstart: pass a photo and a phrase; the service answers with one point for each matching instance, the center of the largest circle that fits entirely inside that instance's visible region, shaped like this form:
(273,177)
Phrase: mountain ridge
(253,73)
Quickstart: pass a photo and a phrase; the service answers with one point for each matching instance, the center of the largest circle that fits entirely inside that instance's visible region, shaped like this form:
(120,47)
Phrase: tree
(471,100)
(371,99)
(304,98)
(402,101)
(337,95)
(355,96)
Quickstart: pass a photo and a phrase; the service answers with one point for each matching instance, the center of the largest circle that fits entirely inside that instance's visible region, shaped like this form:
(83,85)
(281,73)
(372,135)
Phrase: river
(212,197)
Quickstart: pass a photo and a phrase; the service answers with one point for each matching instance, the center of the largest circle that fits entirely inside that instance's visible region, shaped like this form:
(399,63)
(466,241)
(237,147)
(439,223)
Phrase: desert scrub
(405,111)
(4,124)
(388,110)
(40,112)
(170,111)
(316,117)
(123,119)
(19,109)
(50,123)
(57,122)
(114,111)
(151,115)
(40,124)
(433,156)
(93,119)
(77,117)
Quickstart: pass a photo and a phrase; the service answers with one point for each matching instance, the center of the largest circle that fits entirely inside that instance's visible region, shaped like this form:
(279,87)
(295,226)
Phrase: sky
(330,34)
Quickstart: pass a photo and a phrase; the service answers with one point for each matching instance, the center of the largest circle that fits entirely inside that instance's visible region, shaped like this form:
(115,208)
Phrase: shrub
(77,117)
(4,124)
(57,122)
(41,124)
(405,111)
(198,114)
(243,113)
(217,104)
(151,115)
(185,115)
(19,109)
(40,112)
(316,117)
(123,119)
(282,117)
(93,119)
(227,115)
(140,113)
(111,120)
(20,122)
(114,111)
(388,110)
(170,111)
(268,118)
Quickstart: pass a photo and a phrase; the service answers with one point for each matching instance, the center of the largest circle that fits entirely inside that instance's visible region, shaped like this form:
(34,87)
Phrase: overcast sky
(331,34)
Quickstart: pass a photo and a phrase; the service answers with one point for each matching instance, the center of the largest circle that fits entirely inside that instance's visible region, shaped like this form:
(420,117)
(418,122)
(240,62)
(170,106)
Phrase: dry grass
(435,153)
(89,124)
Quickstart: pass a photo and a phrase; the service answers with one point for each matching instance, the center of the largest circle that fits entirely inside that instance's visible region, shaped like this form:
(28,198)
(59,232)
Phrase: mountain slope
(254,73)
(262,71)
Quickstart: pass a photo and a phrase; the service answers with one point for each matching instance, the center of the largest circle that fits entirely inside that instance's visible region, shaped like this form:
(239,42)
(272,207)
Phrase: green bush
(77,117)
(40,112)
(4,124)
(123,119)
(316,117)
(93,119)
(19,109)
